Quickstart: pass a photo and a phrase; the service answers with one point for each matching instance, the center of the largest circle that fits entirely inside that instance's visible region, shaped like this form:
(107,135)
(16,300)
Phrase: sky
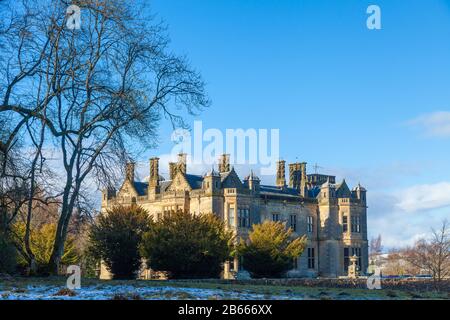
(371,106)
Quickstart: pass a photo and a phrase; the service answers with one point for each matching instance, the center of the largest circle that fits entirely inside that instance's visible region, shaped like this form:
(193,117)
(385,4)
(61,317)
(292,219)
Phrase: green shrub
(270,250)
(115,239)
(187,246)
(41,244)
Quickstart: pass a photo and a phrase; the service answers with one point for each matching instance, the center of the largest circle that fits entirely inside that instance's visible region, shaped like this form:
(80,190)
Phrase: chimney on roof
(294,175)
(281,174)
(129,171)
(154,172)
(298,178)
(303,180)
(172,170)
(182,162)
(224,163)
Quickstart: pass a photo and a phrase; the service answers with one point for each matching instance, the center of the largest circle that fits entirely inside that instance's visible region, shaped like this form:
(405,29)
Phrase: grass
(267,291)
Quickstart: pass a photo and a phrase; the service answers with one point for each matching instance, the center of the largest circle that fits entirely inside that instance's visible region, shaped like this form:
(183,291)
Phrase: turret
(360,193)
(211,181)
(327,192)
(252,182)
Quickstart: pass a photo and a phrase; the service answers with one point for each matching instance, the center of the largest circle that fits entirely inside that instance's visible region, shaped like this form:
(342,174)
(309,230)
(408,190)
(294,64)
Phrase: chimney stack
(172,170)
(303,180)
(182,162)
(154,172)
(224,163)
(295,175)
(281,174)
(129,171)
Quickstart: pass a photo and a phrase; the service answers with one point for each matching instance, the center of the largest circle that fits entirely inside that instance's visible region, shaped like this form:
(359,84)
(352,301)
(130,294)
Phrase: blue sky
(369,105)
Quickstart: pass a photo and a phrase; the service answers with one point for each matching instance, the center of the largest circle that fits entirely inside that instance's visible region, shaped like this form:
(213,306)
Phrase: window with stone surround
(244,218)
(310,224)
(356,224)
(346,259)
(293,222)
(276,217)
(344,223)
(231,216)
(311,258)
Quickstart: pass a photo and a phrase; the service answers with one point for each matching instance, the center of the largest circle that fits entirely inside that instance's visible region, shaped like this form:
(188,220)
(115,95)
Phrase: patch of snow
(108,292)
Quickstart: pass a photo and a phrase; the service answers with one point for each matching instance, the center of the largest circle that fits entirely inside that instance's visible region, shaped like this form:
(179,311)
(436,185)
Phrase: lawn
(92,289)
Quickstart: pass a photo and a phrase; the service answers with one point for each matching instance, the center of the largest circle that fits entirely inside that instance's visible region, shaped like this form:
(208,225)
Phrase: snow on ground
(104,292)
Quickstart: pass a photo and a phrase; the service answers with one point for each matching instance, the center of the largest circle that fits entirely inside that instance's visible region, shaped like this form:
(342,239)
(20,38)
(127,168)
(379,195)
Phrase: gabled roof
(230,179)
(342,190)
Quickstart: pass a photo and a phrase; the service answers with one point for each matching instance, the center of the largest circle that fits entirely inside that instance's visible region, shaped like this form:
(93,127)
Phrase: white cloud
(435,124)
(424,197)
(404,215)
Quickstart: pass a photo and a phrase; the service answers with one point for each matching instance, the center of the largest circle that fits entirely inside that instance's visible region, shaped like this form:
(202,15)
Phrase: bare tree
(432,255)
(98,92)
(376,248)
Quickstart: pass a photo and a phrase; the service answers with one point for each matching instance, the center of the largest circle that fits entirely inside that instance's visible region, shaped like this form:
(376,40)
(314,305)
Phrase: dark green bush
(115,239)
(187,246)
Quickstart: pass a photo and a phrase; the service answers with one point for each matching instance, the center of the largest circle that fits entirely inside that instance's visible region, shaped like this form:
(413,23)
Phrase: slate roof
(314,192)
(194,181)
(224,175)
(276,191)
(141,187)
(342,190)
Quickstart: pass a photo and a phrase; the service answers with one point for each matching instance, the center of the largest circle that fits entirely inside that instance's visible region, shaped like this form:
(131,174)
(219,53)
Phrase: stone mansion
(331,215)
